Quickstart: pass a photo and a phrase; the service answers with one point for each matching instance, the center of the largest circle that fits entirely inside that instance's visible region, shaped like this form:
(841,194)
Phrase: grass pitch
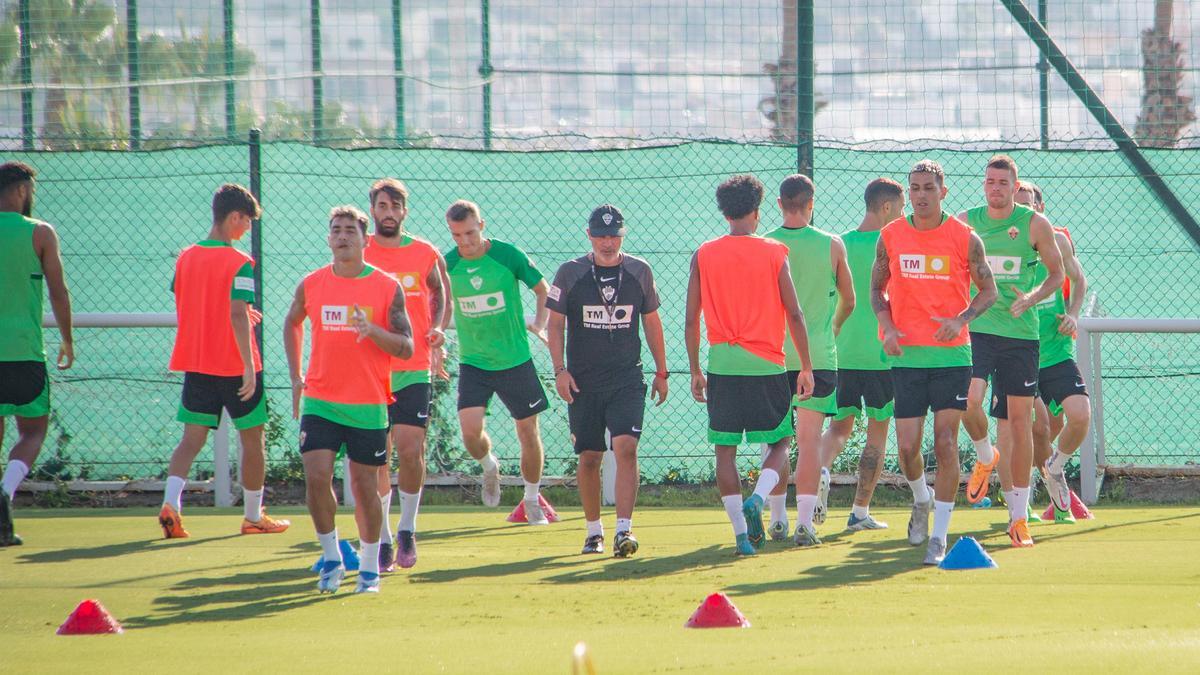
(1119,593)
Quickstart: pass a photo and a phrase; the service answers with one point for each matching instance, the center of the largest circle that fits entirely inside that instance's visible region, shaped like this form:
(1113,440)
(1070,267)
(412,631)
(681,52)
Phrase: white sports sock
(595,527)
(767,480)
(173,493)
(385,530)
(13,475)
(252,504)
(531,490)
(805,505)
(489,462)
(329,545)
(368,558)
(733,509)
(1020,502)
(983,448)
(409,503)
(624,524)
(778,505)
(860,512)
(941,519)
(1058,461)
(1010,498)
(920,490)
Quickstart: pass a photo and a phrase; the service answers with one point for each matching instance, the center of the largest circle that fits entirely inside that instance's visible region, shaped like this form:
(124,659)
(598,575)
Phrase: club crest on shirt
(608,291)
(1013,232)
(477,282)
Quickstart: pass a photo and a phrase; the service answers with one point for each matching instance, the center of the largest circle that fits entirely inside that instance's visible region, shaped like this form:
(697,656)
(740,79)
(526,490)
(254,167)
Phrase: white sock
(778,507)
(531,491)
(1020,502)
(805,505)
(385,530)
(329,545)
(595,527)
(489,462)
(173,494)
(1058,461)
(983,448)
(941,519)
(624,525)
(860,512)
(920,490)
(733,509)
(368,557)
(767,480)
(252,504)
(13,475)
(1010,498)
(409,503)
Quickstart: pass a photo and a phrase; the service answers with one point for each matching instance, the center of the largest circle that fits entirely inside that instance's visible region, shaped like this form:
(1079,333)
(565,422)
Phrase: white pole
(608,473)
(1088,489)
(347,488)
(222,490)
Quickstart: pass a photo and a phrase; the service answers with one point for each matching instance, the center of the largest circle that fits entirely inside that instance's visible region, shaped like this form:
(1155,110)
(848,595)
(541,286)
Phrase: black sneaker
(406,548)
(7,536)
(387,558)
(594,544)
(624,545)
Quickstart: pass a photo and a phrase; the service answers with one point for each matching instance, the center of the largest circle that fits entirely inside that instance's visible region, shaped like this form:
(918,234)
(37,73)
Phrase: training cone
(90,618)
(349,557)
(518,514)
(717,611)
(967,554)
(1078,509)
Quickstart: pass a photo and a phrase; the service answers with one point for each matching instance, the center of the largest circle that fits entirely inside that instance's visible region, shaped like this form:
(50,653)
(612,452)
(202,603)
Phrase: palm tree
(780,109)
(1165,112)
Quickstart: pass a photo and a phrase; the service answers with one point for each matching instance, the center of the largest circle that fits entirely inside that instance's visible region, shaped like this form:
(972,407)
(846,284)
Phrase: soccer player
(864,383)
(920,291)
(825,291)
(420,269)
(596,300)
(216,351)
(742,284)
(494,350)
(29,258)
(358,325)
(1004,340)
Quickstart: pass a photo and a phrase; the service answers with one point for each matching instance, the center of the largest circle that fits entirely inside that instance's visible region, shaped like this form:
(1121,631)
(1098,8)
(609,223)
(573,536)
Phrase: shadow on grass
(116,550)
(532,565)
(617,570)
(257,595)
(868,561)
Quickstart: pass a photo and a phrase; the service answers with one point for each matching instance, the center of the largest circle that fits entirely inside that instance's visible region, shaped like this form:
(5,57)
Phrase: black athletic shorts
(204,396)
(22,381)
(869,388)
(824,382)
(920,390)
(1056,384)
(411,405)
(1010,363)
(363,446)
(620,411)
(758,407)
(518,388)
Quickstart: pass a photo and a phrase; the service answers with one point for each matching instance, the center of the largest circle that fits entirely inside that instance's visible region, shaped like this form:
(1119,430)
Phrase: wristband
(662,373)
(560,370)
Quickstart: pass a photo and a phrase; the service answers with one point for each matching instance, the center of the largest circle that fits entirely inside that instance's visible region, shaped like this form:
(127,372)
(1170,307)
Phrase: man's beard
(387,229)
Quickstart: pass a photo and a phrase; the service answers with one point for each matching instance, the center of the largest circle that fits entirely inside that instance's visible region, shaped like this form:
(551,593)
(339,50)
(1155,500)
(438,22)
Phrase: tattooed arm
(881,273)
(397,338)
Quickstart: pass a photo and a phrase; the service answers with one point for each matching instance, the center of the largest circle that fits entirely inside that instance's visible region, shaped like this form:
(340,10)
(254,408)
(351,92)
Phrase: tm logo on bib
(925,266)
(1007,266)
(597,316)
(337,317)
(479,305)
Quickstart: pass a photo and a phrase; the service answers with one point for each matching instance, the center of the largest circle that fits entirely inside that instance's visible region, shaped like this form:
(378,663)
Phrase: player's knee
(590,460)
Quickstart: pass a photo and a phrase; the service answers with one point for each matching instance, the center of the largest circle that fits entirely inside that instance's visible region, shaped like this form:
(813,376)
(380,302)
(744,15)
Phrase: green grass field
(1119,593)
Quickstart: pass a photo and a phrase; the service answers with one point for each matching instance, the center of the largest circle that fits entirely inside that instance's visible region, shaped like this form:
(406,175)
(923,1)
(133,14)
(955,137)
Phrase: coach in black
(596,300)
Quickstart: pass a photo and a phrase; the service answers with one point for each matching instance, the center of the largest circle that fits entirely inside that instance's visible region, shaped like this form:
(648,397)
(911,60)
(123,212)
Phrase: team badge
(607,218)
(1013,232)
(608,292)
(477,282)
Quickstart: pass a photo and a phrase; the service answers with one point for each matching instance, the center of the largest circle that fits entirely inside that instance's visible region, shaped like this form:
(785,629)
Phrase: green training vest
(1014,262)
(1055,347)
(858,345)
(816,287)
(21,287)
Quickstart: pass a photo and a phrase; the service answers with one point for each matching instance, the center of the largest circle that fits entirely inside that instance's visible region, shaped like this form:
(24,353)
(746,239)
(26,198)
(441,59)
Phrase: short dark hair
(14,173)
(231,198)
(739,196)
(461,210)
(394,189)
(795,192)
(352,212)
(929,166)
(1003,162)
(881,191)
(1032,187)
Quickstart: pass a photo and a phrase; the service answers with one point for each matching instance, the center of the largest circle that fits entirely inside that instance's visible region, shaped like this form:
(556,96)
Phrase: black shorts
(756,406)
(869,388)
(411,406)
(1056,384)
(1010,363)
(824,382)
(518,388)
(21,381)
(363,446)
(620,411)
(920,390)
(204,396)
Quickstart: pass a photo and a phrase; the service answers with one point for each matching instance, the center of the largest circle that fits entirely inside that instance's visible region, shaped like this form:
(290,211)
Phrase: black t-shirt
(603,306)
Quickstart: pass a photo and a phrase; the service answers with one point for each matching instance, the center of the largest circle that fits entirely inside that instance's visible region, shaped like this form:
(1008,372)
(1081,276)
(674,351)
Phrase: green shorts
(204,396)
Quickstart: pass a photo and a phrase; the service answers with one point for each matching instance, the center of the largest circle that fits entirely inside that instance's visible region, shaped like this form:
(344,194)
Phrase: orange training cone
(717,612)
(518,514)
(90,618)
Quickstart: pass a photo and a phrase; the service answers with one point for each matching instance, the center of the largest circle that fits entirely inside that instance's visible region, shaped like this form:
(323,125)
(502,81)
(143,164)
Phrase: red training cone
(90,618)
(717,612)
(518,514)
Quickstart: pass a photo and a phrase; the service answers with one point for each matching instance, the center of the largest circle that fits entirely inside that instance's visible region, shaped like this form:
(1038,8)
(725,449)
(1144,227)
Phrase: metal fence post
(398,67)
(1088,487)
(230,89)
(222,487)
(805,76)
(318,94)
(256,252)
(485,70)
(1043,68)
(26,64)
(135,95)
